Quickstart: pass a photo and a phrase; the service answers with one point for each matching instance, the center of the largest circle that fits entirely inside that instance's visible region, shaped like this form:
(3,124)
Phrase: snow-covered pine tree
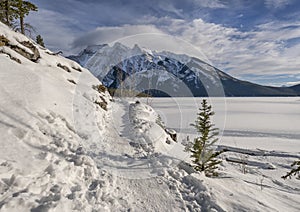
(203,156)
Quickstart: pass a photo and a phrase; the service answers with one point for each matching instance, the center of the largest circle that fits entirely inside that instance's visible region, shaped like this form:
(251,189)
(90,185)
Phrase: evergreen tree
(23,8)
(294,171)
(40,40)
(12,10)
(8,11)
(203,156)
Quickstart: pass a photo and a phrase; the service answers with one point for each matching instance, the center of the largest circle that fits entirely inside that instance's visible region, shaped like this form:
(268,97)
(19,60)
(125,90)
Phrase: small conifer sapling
(40,40)
(204,157)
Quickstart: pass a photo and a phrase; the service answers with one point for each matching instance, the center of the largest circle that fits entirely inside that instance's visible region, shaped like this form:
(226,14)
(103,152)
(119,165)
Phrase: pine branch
(294,171)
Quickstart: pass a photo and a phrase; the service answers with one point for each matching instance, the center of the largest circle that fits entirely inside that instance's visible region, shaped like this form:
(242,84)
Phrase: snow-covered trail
(130,174)
(150,182)
(120,119)
(114,153)
(134,157)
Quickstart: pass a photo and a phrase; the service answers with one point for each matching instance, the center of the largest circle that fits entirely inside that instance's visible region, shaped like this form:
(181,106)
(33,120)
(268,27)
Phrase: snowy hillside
(66,145)
(42,162)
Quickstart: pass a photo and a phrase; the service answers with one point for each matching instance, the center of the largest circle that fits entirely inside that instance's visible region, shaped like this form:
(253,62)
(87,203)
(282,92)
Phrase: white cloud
(259,52)
(147,36)
(103,35)
(276,4)
(210,4)
(293,83)
(168,7)
(55,28)
(262,51)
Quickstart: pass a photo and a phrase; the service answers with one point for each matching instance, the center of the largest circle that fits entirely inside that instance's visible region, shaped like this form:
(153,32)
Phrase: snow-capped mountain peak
(168,72)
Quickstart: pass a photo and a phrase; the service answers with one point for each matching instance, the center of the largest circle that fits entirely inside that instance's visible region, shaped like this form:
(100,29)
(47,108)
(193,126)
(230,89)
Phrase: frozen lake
(267,123)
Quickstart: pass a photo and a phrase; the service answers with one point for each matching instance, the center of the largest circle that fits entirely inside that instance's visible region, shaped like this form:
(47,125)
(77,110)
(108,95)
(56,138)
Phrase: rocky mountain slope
(166,74)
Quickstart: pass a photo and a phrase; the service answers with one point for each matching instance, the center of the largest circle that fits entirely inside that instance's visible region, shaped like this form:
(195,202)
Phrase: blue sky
(254,40)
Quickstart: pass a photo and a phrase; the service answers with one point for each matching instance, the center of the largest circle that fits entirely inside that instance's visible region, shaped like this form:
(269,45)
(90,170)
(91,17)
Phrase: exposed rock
(77,69)
(100,88)
(10,56)
(72,81)
(36,54)
(3,41)
(103,105)
(54,53)
(63,67)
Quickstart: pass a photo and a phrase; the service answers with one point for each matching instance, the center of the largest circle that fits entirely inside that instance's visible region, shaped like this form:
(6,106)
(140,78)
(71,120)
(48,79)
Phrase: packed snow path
(145,181)
(120,119)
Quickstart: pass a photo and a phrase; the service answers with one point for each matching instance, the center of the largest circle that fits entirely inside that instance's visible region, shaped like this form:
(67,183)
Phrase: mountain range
(167,74)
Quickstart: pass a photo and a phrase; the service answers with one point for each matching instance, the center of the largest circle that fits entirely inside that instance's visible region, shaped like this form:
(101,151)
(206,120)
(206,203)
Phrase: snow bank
(148,134)
(43,165)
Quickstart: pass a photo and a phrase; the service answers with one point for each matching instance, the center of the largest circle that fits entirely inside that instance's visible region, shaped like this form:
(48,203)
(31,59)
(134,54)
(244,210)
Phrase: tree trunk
(7,14)
(22,25)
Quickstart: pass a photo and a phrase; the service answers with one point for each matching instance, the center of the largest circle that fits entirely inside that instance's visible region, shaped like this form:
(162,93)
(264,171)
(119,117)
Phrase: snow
(61,150)
(41,165)
(262,139)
